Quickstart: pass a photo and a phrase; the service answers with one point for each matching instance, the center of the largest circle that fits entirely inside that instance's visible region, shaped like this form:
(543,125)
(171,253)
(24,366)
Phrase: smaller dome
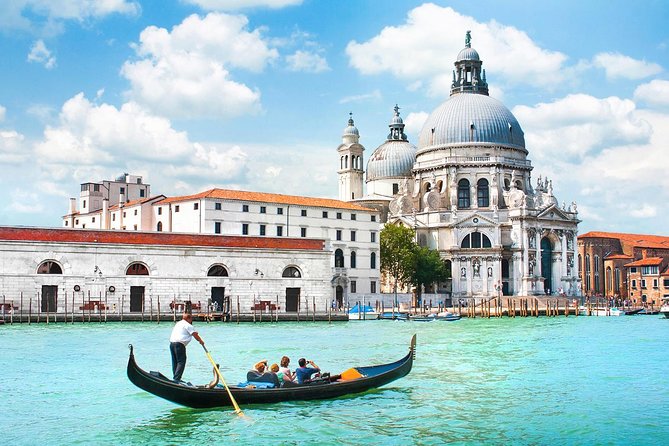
(351,129)
(468,53)
(391,159)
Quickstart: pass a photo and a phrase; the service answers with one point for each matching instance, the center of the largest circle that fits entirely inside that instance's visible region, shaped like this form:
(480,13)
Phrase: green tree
(397,254)
(428,268)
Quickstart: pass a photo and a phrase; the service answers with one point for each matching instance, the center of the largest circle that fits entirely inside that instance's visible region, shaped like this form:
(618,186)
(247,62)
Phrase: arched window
(440,186)
(609,280)
(587,272)
(346,162)
(596,274)
(137,269)
(49,267)
(339,258)
(448,267)
(353,259)
(482,193)
(427,187)
(617,280)
(475,240)
(372,261)
(291,272)
(217,271)
(159,226)
(463,194)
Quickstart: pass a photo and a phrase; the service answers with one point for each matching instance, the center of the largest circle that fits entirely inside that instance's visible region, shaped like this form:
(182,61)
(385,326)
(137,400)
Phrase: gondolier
(182,333)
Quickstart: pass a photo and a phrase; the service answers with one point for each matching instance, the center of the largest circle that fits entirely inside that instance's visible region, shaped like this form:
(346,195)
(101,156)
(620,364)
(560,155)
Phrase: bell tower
(351,170)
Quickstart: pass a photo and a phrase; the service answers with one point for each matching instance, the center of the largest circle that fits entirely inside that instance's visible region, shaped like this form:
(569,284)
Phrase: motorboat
(600,311)
(362,313)
(664,309)
(394,316)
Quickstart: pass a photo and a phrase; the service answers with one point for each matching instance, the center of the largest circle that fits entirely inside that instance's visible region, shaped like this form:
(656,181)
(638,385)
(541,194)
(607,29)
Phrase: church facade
(467,191)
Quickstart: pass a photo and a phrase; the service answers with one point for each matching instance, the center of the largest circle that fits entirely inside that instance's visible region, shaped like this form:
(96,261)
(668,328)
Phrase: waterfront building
(633,267)
(349,231)
(467,191)
(55,270)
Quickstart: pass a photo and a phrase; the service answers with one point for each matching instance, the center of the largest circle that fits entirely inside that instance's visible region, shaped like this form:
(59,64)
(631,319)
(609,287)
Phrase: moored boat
(664,309)
(362,313)
(394,315)
(352,381)
(600,311)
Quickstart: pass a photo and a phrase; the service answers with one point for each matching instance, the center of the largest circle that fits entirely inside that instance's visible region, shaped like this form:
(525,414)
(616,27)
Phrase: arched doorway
(339,296)
(547,264)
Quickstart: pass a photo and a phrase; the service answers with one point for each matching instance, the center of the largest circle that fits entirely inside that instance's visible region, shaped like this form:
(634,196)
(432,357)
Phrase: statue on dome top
(468,39)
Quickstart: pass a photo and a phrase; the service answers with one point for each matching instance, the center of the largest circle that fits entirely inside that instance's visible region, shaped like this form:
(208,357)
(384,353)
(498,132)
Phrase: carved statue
(463,272)
(468,39)
(490,271)
(476,264)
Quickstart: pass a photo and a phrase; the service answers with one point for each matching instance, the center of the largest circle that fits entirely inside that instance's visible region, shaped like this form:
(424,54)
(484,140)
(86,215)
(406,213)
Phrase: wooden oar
(238,411)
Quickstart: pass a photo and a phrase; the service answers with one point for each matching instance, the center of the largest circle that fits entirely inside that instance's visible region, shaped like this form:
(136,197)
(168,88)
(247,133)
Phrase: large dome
(471,118)
(391,159)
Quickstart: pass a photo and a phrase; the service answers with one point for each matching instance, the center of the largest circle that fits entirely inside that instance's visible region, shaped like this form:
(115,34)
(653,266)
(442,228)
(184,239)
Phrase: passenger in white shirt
(182,333)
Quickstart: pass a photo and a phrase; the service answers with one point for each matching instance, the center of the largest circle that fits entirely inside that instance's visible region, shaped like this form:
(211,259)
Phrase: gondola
(367,378)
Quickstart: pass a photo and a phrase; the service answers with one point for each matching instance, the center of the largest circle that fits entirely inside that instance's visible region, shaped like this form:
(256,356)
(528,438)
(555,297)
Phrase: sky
(255,94)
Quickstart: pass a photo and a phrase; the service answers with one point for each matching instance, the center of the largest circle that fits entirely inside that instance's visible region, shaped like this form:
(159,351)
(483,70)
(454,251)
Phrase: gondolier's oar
(238,411)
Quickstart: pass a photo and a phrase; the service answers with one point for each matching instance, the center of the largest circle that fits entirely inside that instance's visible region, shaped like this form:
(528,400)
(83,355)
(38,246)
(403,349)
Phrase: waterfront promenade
(115,309)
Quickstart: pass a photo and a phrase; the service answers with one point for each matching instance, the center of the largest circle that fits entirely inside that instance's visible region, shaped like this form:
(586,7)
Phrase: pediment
(554,213)
(475,220)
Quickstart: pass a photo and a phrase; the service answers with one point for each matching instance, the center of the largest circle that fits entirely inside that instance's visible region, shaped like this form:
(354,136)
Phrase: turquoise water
(557,381)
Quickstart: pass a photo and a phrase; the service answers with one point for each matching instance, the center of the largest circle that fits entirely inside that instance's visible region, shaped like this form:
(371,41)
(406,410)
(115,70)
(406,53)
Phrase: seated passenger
(304,373)
(288,376)
(258,374)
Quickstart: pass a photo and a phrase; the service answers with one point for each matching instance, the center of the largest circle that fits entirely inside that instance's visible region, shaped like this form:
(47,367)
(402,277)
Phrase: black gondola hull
(204,397)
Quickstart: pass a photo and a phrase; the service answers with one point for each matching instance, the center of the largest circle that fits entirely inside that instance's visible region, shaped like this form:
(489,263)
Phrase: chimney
(73,205)
(104,215)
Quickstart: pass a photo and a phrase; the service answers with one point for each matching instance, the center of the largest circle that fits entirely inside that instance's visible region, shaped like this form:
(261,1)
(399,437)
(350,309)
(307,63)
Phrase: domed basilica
(467,191)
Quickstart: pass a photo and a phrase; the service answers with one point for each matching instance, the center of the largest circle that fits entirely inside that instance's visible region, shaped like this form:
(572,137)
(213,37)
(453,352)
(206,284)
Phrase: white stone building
(467,191)
(350,231)
(56,270)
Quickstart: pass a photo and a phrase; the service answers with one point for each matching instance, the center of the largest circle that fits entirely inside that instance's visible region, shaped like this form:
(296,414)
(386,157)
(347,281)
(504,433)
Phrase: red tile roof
(26,234)
(637,240)
(618,256)
(139,201)
(648,261)
(265,197)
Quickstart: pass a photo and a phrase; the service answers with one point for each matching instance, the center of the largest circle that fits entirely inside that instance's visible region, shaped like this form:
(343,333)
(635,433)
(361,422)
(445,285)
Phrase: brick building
(626,266)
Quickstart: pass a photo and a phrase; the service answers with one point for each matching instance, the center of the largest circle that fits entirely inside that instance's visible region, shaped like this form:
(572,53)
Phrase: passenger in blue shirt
(304,373)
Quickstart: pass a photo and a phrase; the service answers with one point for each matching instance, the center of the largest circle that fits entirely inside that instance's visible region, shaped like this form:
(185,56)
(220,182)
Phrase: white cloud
(25,202)
(612,184)
(3,110)
(184,73)
(91,137)
(307,61)
(49,14)
(230,5)
(374,95)
(580,124)
(646,210)
(503,48)
(617,65)
(39,53)
(11,147)
(414,122)
(654,93)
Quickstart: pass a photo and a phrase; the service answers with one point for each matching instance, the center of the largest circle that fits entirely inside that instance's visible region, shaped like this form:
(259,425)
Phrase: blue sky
(254,94)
